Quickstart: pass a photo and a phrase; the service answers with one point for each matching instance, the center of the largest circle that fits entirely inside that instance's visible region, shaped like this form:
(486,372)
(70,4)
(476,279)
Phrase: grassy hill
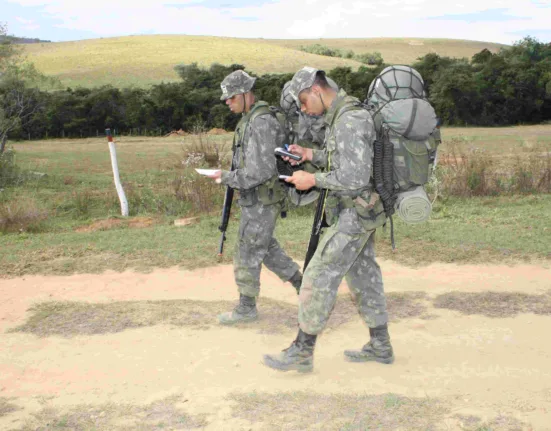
(397,50)
(145,60)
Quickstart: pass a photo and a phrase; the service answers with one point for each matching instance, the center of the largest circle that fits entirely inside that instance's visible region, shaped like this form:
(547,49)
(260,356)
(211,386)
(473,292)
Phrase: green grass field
(146,60)
(79,228)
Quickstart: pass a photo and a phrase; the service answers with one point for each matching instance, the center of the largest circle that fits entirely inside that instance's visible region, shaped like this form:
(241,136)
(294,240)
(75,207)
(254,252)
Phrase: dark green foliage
(510,87)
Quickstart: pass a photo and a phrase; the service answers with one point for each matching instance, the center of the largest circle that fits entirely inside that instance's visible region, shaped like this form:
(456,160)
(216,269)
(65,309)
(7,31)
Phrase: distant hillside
(146,60)
(397,50)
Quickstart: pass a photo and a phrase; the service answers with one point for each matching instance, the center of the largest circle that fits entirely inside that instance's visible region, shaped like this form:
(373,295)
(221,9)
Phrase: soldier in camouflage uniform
(353,212)
(307,131)
(261,195)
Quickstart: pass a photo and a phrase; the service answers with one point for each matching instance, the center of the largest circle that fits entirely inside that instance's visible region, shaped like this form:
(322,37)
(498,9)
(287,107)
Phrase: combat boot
(244,312)
(296,281)
(378,349)
(298,356)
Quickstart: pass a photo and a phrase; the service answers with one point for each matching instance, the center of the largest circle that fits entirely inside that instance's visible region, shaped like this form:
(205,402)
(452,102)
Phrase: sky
(500,21)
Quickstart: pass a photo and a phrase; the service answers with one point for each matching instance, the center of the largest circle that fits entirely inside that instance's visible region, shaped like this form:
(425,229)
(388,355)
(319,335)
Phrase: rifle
(319,222)
(228,198)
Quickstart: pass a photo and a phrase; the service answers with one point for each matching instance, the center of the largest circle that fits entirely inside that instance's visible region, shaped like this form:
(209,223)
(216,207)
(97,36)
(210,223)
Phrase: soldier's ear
(316,89)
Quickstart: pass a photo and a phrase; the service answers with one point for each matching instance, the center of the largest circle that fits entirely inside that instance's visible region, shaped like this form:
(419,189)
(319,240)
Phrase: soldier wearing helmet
(353,212)
(261,195)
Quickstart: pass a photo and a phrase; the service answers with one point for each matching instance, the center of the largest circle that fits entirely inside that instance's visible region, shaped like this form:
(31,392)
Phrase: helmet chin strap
(322,103)
(244,103)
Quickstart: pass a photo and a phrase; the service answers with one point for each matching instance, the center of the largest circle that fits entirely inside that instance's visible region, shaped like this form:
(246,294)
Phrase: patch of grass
(78,191)
(508,229)
(68,319)
(499,423)
(160,415)
(473,171)
(400,305)
(307,410)
(6,407)
(495,304)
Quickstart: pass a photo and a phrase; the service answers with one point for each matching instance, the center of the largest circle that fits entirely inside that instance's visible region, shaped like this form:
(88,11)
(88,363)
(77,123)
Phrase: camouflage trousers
(256,245)
(346,249)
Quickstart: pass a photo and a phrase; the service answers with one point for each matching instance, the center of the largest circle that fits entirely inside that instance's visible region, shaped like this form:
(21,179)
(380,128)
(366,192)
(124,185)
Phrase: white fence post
(118,185)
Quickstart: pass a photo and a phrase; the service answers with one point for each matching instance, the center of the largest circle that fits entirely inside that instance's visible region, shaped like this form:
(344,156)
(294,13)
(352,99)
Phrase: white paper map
(207,171)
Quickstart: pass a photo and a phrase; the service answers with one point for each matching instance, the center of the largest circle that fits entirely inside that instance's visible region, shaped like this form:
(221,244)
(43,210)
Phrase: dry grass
(475,171)
(397,50)
(201,151)
(499,423)
(21,215)
(145,60)
(400,305)
(6,407)
(495,304)
(160,415)
(307,410)
(68,319)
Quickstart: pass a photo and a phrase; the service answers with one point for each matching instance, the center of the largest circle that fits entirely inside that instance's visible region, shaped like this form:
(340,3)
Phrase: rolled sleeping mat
(413,206)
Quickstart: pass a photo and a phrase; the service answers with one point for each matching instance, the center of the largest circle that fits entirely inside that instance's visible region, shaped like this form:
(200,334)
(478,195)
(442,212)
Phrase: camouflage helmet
(237,82)
(304,79)
(394,83)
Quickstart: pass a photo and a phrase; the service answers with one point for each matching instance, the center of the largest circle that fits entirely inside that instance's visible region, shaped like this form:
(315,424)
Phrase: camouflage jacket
(253,155)
(348,153)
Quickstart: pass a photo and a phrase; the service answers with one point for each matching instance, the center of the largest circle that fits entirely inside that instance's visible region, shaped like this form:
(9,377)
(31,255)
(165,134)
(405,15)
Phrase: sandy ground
(486,366)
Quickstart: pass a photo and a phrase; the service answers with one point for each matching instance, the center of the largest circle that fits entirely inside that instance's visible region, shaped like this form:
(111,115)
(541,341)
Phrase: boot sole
(269,362)
(369,359)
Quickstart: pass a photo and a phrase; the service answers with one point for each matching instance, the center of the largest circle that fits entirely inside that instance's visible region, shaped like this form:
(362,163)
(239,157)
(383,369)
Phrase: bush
(21,215)
(371,58)
(319,49)
(9,172)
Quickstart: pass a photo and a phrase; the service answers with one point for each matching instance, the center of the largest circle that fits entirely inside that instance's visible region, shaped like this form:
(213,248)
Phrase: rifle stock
(228,198)
(316,229)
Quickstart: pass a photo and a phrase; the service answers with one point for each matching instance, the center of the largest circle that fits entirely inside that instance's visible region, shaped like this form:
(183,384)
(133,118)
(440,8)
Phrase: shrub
(21,215)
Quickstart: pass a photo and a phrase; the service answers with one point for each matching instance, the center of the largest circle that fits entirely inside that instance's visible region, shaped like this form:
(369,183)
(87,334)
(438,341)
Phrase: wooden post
(118,185)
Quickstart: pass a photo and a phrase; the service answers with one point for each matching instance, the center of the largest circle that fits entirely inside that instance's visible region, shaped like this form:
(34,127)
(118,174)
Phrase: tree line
(510,87)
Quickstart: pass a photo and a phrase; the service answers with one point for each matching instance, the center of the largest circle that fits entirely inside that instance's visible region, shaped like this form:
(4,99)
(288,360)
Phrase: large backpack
(407,139)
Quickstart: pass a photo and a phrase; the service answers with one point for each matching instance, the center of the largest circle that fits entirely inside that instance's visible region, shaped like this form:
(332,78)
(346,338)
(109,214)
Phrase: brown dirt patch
(160,415)
(495,304)
(216,131)
(6,407)
(306,410)
(113,223)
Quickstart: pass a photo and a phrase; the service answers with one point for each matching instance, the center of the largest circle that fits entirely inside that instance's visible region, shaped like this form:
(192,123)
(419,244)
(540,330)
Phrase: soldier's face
(310,101)
(236,103)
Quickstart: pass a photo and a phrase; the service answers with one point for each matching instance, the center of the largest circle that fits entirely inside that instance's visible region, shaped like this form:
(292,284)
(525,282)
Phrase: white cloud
(298,18)
(28,24)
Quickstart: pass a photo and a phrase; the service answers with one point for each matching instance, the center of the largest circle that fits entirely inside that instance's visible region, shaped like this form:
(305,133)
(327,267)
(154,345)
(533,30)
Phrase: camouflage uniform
(306,131)
(261,198)
(346,249)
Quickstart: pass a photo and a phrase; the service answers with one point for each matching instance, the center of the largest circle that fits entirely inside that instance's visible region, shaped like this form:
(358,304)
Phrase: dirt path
(483,366)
